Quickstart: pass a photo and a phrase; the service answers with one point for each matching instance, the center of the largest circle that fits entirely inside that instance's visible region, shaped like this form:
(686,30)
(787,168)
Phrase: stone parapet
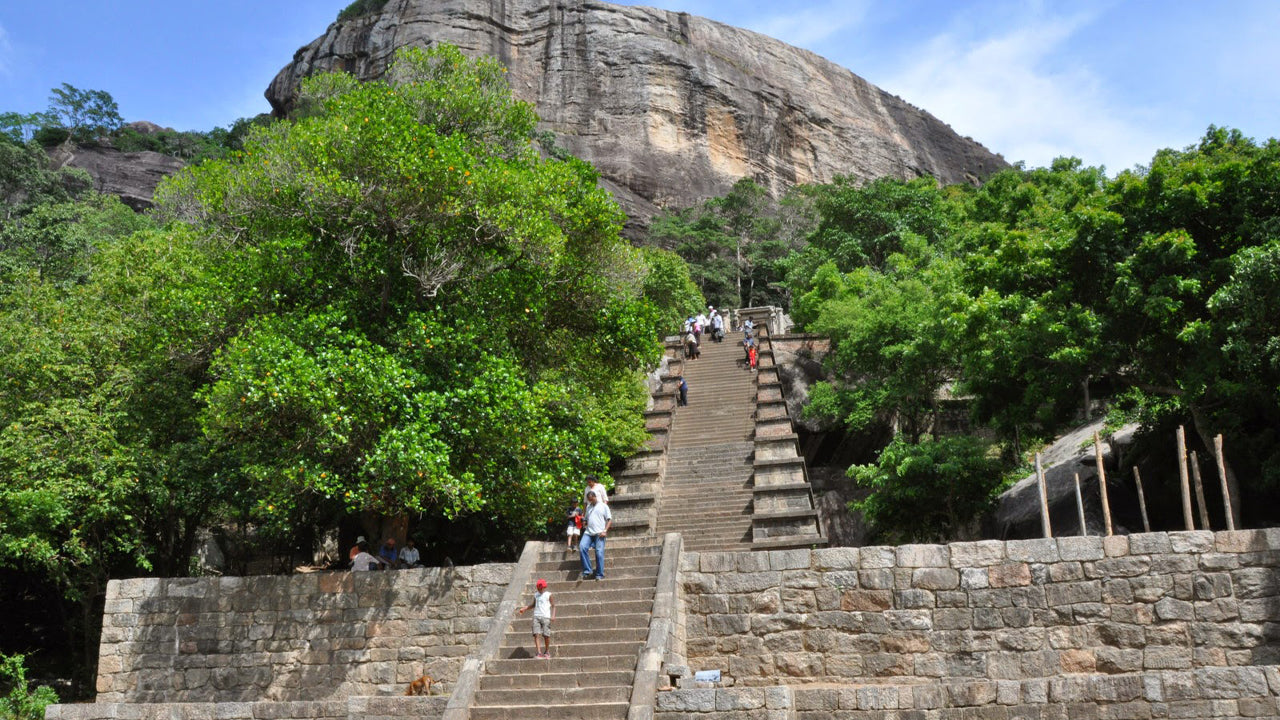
(294,638)
(1017,610)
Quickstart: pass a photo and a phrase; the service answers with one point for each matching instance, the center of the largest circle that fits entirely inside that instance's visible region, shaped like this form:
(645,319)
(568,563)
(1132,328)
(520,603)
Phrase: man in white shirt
(409,555)
(598,522)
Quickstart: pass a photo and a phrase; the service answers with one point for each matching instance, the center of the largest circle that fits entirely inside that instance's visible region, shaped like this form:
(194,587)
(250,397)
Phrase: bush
(51,136)
(17,701)
(361,7)
(930,491)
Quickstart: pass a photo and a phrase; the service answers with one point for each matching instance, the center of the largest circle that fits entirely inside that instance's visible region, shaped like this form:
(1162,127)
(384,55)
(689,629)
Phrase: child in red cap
(544,610)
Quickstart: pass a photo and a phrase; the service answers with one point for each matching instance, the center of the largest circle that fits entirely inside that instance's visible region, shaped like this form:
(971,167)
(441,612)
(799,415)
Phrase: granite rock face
(132,176)
(671,108)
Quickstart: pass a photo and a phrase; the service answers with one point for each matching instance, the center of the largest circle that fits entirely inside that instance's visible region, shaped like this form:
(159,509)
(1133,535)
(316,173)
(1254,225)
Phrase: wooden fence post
(1186,481)
(1195,478)
(1102,483)
(1084,530)
(1044,499)
(1226,492)
(1142,500)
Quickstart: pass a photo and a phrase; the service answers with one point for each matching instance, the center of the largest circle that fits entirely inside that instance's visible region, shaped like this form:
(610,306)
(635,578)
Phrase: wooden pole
(1044,499)
(1102,483)
(1195,478)
(1142,500)
(1084,530)
(1186,481)
(1226,493)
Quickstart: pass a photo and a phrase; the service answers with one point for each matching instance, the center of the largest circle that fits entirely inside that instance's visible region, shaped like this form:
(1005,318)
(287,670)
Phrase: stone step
(578,650)
(562,637)
(613,553)
(534,697)
(580,678)
(625,567)
(599,591)
(558,664)
(568,591)
(603,622)
(618,608)
(584,710)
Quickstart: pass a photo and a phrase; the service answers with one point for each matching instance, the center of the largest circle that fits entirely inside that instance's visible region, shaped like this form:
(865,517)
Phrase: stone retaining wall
(1204,693)
(296,638)
(1018,610)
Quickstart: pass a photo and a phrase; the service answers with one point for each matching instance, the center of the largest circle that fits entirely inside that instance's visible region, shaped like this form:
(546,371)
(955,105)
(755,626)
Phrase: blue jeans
(585,546)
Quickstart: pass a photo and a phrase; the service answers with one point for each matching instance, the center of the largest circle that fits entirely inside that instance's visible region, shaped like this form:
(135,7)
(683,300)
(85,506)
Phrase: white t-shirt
(600,492)
(542,605)
(598,516)
(409,556)
(363,562)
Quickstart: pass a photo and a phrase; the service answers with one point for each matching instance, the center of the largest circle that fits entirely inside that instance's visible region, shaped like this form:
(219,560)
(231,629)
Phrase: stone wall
(1018,610)
(297,638)
(1205,693)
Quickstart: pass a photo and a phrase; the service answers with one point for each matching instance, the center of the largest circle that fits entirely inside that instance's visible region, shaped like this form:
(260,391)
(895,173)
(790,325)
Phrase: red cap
(542,584)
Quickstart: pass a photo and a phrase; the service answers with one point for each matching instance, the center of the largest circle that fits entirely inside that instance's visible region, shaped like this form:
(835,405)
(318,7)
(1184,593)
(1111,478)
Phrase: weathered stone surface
(130,176)
(670,107)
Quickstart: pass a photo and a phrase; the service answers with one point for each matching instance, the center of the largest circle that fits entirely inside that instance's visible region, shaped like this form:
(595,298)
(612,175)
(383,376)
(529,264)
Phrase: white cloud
(1001,90)
(812,25)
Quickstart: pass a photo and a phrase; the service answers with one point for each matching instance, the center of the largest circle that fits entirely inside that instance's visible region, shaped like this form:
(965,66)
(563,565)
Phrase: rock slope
(670,107)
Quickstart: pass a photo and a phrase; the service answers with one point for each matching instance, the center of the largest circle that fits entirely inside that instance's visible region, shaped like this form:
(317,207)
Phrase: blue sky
(1109,81)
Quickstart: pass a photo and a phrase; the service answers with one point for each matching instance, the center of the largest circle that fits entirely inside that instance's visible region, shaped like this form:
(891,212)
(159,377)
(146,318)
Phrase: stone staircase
(722,398)
(706,494)
(707,497)
(599,629)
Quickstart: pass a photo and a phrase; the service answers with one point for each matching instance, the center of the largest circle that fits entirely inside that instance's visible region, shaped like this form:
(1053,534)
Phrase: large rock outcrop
(132,176)
(670,107)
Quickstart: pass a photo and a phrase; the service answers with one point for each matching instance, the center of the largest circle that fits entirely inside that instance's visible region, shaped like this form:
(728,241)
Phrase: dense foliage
(361,7)
(390,310)
(737,245)
(18,701)
(1047,289)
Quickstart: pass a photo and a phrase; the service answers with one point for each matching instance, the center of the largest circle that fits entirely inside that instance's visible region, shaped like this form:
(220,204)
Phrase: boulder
(1018,511)
(132,176)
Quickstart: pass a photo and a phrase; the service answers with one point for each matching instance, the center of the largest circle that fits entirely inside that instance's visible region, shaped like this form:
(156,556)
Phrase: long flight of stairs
(598,631)
(707,491)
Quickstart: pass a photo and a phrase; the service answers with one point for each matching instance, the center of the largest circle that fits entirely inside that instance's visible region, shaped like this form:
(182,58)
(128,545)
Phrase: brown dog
(421,686)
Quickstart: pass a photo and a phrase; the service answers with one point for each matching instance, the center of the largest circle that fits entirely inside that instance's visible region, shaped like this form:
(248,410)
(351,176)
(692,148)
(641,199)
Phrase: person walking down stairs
(544,611)
(598,522)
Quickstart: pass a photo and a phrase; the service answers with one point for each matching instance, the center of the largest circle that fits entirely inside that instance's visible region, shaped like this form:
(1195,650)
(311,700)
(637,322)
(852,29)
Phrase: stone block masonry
(308,637)
(999,611)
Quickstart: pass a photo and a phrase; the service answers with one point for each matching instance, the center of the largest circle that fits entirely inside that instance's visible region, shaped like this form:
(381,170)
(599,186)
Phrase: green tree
(88,114)
(17,700)
(931,491)
(414,277)
(737,245)
(19,128)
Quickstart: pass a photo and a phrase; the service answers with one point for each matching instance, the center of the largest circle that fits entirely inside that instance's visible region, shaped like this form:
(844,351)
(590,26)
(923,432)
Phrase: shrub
(17,700)
(360,8)
(928,491)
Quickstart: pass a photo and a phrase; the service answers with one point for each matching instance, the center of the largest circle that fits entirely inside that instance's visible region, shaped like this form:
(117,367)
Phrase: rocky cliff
(670,107)
(132,176)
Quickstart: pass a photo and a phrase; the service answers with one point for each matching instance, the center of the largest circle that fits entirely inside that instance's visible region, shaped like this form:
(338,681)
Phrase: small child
(751,356)
(574,531)
(544,611)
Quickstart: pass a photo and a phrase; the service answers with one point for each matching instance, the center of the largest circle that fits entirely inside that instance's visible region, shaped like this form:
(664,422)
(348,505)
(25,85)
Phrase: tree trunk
(737,268)
(1084,384)
(1206,437)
